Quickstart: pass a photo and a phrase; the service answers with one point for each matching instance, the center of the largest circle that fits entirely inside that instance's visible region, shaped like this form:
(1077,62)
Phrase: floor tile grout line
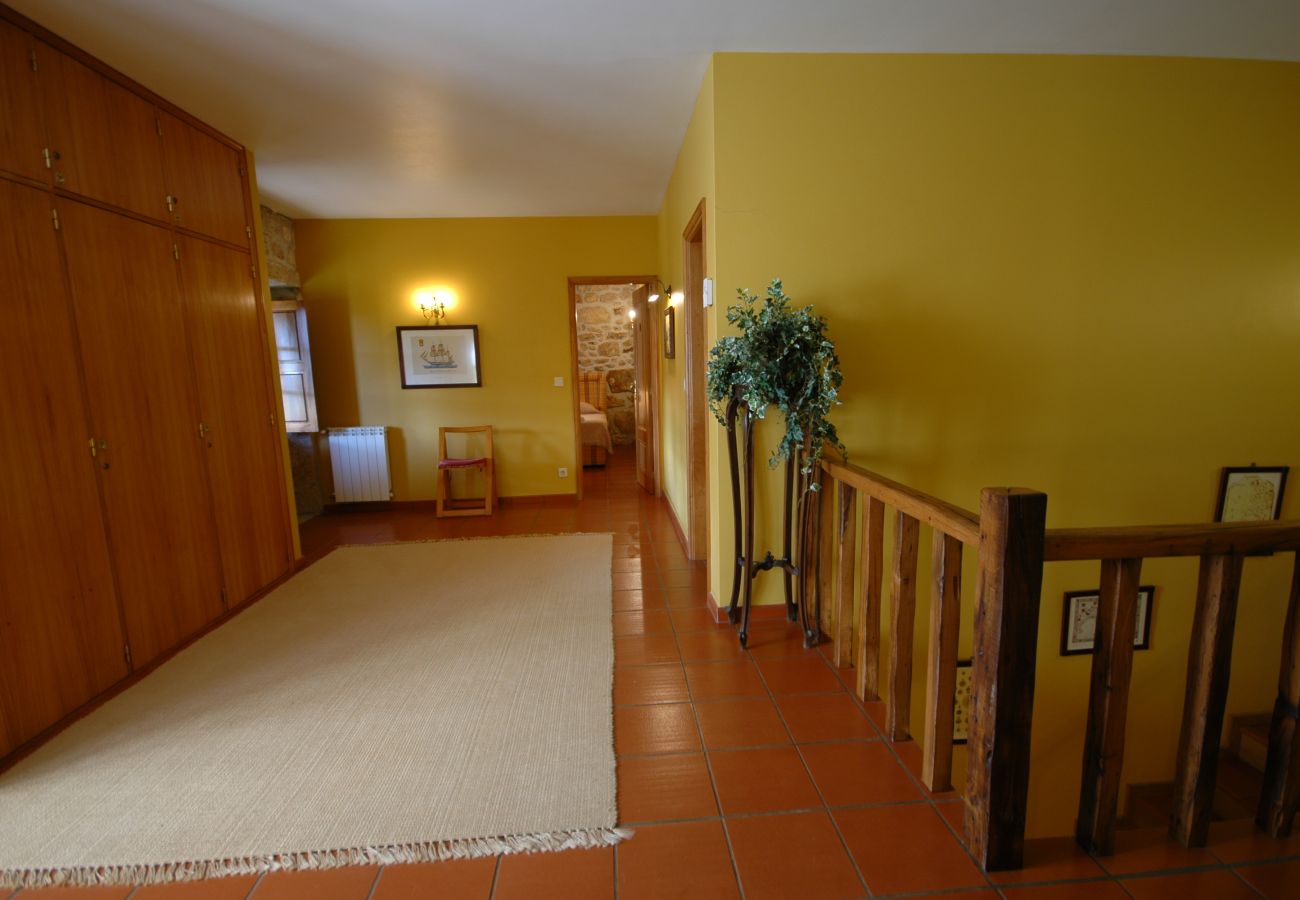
(374,885)
(496,877)
(256,884)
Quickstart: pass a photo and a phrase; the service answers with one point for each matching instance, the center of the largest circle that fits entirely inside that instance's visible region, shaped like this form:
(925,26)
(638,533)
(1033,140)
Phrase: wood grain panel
(941,664)
(22,132)
(105,137)
(873,567)
(206,179)
(141,392)
(60,632)
(902,627)
(242,436)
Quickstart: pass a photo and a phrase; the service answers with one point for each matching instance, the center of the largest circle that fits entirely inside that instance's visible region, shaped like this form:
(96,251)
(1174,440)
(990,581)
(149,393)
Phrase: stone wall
(605,345)
(281,249)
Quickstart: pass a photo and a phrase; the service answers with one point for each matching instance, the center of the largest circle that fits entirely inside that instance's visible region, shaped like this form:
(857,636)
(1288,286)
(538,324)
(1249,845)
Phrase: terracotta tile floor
(744,774)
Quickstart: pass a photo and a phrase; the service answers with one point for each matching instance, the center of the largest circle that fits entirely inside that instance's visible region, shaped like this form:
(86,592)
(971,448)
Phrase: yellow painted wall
(692,181)
(510,279)
(1076,274)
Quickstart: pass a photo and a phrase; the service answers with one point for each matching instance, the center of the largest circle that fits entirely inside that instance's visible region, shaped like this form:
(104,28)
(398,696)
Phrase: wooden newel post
(1012,530)
(1281,795)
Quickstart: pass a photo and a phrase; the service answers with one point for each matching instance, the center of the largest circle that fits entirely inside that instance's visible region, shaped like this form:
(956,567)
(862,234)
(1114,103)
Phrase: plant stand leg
(749,571)
(740,570)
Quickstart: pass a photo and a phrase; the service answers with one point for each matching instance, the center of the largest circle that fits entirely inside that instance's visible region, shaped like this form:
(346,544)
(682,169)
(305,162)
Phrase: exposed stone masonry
(281,248)
(605,345)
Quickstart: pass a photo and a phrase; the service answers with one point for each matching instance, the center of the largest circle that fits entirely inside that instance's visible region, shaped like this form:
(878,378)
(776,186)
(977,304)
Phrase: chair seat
(461,463)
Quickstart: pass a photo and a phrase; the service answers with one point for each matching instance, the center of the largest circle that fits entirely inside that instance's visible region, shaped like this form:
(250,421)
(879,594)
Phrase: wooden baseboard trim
(771,612)
(677,527)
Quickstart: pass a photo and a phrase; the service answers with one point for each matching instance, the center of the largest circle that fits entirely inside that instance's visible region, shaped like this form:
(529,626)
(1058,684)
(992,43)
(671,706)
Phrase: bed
(593,407)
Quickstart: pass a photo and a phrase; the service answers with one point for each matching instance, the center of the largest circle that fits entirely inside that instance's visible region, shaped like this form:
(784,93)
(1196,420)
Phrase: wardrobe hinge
(49,158)
(126,653)
(176,251)
(54,217)
(252,270)
(93,451)
(171,203)
(239,167)
(248,230)
(32,56)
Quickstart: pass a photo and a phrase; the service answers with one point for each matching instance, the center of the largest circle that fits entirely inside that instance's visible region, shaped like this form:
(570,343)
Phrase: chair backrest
(592,389)
(485,430)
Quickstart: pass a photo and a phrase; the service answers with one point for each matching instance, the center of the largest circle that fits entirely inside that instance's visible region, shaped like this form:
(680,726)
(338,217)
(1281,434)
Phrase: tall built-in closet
(142,493)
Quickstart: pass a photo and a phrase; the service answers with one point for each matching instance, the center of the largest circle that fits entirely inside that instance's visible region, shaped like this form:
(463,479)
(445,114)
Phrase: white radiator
(359,458)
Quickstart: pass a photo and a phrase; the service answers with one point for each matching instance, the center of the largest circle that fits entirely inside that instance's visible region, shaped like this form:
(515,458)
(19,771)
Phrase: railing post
(1208,665)
(1281,795)
(873,569)
(846,535)
(941,680)
(1112,671)
(1012,526)
(902,627)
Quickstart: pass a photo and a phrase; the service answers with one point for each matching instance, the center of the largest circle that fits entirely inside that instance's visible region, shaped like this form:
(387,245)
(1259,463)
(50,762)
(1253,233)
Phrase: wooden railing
(1010,536)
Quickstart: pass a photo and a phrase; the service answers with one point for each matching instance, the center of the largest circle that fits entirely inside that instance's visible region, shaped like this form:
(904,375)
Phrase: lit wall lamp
(433,305)
(631,314)
(659,289)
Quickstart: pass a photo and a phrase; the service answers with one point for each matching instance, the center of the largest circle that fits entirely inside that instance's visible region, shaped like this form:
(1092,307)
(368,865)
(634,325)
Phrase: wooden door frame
(576,281)
(694,271)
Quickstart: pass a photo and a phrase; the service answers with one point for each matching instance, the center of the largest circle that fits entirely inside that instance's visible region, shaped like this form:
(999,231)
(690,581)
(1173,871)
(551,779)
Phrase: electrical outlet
(559,381)
(564,473)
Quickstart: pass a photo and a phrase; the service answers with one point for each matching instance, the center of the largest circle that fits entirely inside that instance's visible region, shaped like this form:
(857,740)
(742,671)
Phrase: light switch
(559,381)
(708,292)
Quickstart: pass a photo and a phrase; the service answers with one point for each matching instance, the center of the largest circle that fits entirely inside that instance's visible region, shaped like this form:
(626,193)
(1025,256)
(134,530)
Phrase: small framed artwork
(1079,622)
(670,332)
(1250,493)
(961,702)
(439,357)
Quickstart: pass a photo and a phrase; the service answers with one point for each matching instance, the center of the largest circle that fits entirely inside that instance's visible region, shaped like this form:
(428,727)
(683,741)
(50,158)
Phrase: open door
(645,398)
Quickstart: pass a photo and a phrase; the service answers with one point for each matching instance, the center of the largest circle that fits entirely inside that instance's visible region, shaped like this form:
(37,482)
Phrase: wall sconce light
(631,314)
(659,289)
(433,305)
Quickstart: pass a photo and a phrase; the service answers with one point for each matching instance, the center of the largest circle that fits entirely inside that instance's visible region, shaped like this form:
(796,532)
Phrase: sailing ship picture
(436,356)
(439,356)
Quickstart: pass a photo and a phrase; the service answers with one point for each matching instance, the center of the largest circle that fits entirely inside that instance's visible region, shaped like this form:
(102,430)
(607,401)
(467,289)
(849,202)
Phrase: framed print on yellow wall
(438,357)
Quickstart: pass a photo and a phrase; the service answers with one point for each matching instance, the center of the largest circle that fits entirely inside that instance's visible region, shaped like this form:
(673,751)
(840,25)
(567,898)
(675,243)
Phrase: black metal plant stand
(747,569)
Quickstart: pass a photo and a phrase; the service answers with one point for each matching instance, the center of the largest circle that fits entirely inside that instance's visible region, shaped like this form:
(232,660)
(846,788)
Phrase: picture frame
(961,702)
(1079,620)
(670,332)
(1250,493)
(440,356)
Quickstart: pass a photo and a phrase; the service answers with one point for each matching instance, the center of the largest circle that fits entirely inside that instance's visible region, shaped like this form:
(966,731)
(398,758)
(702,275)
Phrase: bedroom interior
(1070,266)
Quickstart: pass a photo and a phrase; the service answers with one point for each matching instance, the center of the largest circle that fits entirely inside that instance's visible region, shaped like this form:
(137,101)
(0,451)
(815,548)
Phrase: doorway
(615,372)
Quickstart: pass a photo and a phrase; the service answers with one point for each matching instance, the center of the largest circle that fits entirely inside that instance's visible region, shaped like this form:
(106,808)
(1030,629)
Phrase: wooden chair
(472,506)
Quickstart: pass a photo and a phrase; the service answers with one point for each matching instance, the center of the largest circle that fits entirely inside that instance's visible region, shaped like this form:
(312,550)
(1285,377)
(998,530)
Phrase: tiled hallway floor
(744,774)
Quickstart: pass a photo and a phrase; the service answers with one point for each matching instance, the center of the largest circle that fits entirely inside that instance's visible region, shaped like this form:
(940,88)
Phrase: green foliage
(781,358)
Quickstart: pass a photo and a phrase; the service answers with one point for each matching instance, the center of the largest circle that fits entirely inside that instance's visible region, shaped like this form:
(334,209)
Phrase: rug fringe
(384,854)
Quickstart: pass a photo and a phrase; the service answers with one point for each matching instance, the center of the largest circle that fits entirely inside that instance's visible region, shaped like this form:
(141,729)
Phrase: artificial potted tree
(782,358)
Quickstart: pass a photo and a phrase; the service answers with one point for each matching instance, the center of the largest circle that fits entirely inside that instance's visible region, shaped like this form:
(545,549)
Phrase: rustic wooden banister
(1013,546)
(960,523)
(1151,541)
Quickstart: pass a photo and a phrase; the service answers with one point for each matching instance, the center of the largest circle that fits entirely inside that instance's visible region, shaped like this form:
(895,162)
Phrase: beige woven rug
(390,703)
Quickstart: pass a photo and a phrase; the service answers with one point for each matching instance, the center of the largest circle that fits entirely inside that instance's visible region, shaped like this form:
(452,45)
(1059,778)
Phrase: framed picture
(1250,494)
(670,332)
(1079,621)
(438,357)
(961,702)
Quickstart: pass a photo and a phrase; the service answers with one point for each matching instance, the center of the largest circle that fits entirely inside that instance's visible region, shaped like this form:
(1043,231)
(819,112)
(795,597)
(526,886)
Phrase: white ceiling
(396,108)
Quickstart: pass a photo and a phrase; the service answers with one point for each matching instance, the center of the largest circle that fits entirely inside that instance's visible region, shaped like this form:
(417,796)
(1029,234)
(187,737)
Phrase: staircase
(1237,789)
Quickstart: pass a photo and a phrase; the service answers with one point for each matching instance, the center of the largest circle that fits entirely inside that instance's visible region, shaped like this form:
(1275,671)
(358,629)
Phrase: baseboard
(770,612)
(677,527)
(431,506)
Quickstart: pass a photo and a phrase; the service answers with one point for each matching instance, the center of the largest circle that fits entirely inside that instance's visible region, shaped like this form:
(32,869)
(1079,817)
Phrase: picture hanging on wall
(1250,493)
(438,357)
(670,332)
(961,702)
(1079,621)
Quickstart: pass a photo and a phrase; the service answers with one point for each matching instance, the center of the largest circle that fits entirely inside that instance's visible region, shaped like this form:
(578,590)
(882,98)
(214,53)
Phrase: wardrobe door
(60,629)
(205,179)
(228,340)
(142,402)
(22,134)
(103,138)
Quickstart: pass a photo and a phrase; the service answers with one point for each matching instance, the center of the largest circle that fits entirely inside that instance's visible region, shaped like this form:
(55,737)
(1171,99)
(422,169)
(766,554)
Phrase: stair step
(1252,747)
(1236,794)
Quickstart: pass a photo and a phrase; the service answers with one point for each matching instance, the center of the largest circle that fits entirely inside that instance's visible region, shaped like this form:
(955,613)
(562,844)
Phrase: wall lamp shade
(659,289)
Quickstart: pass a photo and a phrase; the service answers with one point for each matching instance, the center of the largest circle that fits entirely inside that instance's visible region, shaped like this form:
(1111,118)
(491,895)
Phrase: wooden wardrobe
(142,494)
